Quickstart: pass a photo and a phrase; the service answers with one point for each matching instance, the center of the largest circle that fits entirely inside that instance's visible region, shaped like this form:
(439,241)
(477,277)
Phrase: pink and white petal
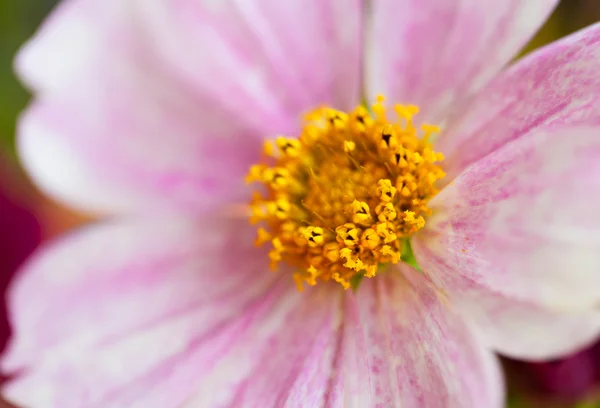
(297,53)
(101,331)
(521,227)
(514,327)
(277,352)
(290,366)
(170,100)
(78,155)
(405,346)
(436,53)
(555,86)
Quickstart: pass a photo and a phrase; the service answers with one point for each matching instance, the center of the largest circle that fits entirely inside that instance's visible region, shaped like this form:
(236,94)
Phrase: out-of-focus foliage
(569,16)
(18,20)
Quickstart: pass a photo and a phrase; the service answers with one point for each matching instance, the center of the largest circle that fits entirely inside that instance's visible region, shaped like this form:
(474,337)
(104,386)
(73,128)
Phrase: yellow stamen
(349,146)
(341,198)
(314,236)
(361,213)
(385,190)
(288,147)
(348,234)
(262,236)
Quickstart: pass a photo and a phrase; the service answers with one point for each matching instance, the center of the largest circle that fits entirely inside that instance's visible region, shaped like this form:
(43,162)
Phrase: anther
(385,190)
(370,239)
(331,251)
(279,208)
(347,234)
(388,251)
(386,232)
(262,236)
(255,173)
(349,146)
(314,236)
(388,137)
(278,178)
(337,119)
(386,212)
(288,147)
(410,219)
(361,213)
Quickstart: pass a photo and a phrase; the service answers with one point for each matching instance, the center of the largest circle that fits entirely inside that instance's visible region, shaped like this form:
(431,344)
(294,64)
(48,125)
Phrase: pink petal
(166,313)
(183,314)
(166,103)
(404,345)
(553,87)
(515,327)
(108,316)
(435,53)
(516,238)
(288,364)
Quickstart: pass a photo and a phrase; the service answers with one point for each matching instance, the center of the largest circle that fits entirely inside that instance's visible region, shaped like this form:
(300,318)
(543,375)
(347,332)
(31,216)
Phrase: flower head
(168,115)
(342,198)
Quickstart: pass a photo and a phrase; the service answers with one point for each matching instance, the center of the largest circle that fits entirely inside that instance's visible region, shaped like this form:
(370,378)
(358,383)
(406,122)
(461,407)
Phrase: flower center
(342,199)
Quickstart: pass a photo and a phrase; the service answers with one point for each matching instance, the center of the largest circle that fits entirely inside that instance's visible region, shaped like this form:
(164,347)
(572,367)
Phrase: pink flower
(153,114)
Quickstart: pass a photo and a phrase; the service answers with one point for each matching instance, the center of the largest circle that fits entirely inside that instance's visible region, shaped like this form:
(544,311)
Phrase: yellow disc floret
(340,199)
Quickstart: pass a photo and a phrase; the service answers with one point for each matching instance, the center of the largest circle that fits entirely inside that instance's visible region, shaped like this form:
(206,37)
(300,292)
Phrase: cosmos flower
(409,236)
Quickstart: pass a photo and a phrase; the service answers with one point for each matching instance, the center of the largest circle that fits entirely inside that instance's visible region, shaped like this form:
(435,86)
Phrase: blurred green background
(20,18)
